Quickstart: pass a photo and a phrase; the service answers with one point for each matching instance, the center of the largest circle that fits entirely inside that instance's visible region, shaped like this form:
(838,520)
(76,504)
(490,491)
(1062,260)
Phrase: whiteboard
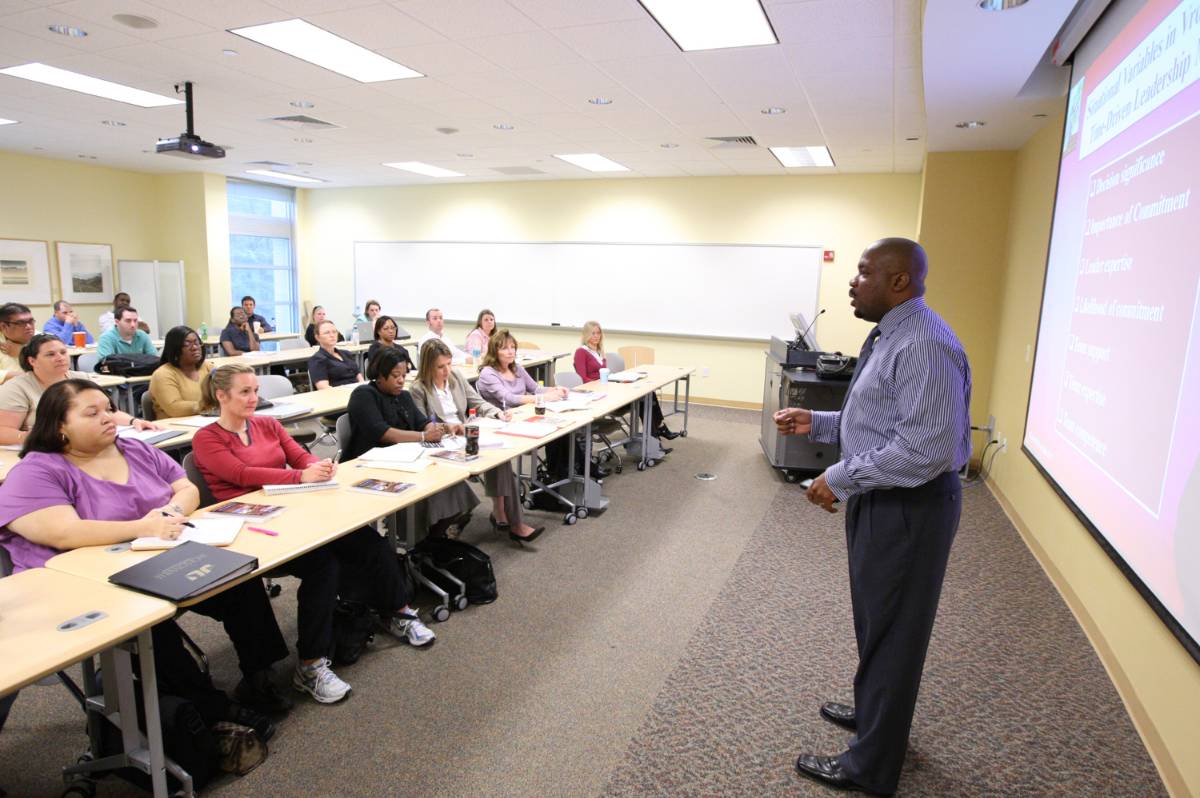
(718,290)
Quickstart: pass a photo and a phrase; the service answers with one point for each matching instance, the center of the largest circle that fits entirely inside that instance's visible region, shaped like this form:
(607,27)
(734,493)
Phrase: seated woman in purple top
(77,485)
(503,382)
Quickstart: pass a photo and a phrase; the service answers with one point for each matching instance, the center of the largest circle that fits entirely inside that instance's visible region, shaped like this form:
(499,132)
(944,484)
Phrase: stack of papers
(210,531)
(397,457)
(626,376)
(192,421)
(283,411)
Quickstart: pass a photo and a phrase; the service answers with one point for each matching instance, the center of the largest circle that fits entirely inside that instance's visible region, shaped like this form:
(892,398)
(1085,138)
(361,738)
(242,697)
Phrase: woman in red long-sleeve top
(242,452)
(589,359)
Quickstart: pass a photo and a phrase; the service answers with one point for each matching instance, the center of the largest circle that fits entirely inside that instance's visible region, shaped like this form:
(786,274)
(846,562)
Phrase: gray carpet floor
(678,644)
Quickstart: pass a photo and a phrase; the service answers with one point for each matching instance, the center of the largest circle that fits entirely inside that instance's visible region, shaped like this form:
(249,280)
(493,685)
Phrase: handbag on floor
(465,563)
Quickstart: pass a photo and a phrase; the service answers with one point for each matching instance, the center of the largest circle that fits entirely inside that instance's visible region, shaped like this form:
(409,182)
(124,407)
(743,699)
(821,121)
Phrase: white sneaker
(320,682)
(409,628)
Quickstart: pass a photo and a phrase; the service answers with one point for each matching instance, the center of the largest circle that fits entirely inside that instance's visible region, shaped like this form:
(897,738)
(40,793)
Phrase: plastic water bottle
(354,334)
(203,333)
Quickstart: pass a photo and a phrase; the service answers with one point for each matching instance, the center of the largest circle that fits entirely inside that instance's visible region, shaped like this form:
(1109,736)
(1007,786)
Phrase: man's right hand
(793,421)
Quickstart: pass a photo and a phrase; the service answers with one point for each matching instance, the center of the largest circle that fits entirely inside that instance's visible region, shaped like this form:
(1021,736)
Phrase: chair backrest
(293,343)
(197,479)
(343,430)
(273,386)
(527,345)
(88,361)
(615,361)
(6,566)
(148,407)
(567,379)
(637,355)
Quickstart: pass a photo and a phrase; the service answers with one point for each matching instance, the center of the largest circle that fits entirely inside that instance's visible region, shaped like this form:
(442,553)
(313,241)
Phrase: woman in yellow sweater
(175,385)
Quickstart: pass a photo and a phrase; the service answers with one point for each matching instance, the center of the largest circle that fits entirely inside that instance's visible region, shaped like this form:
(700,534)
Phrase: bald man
(904,432)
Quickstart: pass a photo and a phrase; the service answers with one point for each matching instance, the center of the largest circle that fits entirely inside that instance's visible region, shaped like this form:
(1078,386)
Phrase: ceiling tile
(468,19)
(440,59)
(568,13)
(615,41)
(831,19)
(526,50)
(376,27)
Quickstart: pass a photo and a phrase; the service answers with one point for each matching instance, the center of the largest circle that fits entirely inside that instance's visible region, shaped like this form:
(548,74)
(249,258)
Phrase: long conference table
(33,640)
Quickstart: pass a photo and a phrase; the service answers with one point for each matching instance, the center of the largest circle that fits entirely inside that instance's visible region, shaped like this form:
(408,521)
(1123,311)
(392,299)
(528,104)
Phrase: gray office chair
(615,361)
(297,375)
(344,431)
(148,407)
(293,343)
(603,429)
(274,386)
(88,361)
(196,478)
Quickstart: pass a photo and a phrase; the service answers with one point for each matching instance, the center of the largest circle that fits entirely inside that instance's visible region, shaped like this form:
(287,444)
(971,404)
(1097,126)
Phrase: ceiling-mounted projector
(188,144)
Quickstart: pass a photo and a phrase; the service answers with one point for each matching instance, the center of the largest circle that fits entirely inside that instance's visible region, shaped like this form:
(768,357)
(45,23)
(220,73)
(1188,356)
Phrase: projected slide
(1114,415)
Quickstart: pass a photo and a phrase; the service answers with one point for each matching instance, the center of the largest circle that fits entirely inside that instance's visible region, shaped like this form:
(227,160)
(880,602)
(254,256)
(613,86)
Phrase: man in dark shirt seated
(238,336)
(248,305)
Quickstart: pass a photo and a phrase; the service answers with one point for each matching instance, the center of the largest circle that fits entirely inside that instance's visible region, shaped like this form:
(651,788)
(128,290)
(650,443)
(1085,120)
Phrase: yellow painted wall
(51,201)
(1158,681)
(964,228)
(843,213)
(143,216)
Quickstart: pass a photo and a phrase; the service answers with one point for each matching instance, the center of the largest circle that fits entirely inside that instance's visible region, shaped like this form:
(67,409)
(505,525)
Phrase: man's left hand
(820,494)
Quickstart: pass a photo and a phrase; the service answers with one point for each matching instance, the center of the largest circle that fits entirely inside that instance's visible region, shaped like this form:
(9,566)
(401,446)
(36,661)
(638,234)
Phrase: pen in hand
(185,523)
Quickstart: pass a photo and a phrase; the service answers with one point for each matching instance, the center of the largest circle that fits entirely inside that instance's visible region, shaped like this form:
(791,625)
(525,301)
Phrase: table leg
(158,770)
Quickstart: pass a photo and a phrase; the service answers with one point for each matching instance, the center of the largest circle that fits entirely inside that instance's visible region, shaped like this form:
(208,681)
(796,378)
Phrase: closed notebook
(149,436)
(209,531)
(381,486)
(301,487)
(247,511)
(185,571)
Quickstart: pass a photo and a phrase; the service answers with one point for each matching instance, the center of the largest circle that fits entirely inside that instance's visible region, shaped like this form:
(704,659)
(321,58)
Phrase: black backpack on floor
(466,563)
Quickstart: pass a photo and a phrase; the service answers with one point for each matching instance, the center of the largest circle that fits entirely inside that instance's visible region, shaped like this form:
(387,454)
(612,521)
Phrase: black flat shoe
(497,526)
(534,535)
(663,432)
(839,715)
(259,693)
(828,771)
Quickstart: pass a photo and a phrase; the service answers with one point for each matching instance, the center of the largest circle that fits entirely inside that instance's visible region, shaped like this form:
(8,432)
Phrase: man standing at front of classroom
(904,432)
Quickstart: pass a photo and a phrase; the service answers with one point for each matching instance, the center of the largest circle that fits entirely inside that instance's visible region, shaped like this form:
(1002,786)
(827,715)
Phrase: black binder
(185,571)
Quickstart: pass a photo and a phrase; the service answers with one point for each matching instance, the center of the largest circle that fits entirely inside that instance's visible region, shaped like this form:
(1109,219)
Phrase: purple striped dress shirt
(906,418)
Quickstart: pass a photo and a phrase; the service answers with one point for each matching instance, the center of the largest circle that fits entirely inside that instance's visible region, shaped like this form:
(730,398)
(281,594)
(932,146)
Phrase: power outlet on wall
(704,371)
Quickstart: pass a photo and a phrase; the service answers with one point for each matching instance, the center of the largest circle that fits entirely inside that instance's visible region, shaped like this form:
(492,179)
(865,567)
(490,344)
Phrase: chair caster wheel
(460,603)
(641,466)
(441,613)
(582,512)
(683,433)
(569,519)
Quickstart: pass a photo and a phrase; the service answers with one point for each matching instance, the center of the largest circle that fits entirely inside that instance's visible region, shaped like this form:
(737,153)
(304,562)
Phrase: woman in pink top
(477,339)
(589,359)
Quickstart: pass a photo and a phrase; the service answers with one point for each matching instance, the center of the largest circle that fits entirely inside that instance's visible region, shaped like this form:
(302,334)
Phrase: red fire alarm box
(829,256)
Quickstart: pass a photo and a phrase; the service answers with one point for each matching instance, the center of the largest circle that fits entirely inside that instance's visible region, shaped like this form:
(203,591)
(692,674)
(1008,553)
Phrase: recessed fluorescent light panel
(7,121)
(318,46)
(429,170)
(593,162)
(53,76)
(803,157)
(713,25)
(282,176)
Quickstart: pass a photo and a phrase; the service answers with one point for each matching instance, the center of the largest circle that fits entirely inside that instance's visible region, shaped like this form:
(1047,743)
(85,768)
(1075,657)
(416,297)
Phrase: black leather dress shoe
(839,715)
(827,770)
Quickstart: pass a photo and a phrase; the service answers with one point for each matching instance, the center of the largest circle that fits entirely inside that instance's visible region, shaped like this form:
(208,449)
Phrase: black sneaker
(243,716)
(259,693)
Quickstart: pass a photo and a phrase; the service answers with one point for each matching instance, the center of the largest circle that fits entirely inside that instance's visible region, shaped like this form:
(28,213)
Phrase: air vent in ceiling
(732,142)
(517,170)
(302,122)
(268,164)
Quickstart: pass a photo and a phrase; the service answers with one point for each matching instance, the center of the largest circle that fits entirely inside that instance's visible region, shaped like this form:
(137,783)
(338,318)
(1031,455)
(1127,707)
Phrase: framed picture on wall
(24,271)
(85,273)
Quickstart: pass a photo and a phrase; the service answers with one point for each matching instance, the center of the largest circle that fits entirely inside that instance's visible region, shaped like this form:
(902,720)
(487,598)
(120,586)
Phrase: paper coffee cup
(603,375)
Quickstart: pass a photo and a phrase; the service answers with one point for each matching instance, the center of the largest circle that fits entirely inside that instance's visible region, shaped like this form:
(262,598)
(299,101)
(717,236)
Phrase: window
(261,258)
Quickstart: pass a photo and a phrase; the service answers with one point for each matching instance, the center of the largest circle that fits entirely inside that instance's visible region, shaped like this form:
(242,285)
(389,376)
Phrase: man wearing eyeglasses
(16,328)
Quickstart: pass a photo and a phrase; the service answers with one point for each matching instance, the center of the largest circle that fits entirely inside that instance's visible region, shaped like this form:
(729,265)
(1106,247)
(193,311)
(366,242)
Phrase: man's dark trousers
(899,542)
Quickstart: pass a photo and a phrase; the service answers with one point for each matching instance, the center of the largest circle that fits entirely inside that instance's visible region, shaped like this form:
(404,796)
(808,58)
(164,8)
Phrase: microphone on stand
(802,337)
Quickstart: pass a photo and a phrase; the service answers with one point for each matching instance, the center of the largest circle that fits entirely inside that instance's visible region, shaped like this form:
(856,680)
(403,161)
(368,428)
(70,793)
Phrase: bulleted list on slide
(1136,293)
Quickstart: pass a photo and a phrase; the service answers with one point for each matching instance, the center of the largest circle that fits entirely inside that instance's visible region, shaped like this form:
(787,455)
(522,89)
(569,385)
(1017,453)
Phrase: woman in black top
(310,334)
(383,413)
(385,338)
(331,367)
